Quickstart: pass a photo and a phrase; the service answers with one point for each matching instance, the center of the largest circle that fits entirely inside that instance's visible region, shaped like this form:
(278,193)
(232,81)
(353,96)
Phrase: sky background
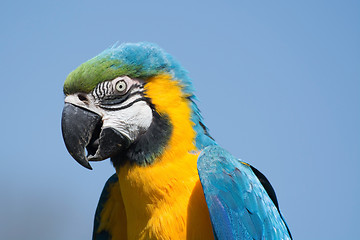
(278,83)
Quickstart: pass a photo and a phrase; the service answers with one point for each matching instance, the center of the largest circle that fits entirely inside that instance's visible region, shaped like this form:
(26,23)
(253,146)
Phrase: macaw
(135,104)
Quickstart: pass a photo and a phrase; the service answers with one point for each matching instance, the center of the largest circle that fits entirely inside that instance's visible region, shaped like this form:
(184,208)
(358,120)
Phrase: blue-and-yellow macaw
(135,104)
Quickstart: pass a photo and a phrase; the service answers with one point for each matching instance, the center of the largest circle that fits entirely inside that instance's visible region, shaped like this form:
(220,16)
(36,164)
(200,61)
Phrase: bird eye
(121,86)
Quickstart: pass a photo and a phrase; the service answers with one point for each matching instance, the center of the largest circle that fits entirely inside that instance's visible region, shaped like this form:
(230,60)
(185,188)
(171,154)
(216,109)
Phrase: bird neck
(169,100)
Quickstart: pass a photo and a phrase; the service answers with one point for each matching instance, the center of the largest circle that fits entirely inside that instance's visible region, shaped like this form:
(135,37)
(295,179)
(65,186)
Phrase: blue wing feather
(239,205)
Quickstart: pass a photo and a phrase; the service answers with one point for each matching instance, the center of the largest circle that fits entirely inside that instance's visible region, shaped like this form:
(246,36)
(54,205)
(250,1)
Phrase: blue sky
(278,83)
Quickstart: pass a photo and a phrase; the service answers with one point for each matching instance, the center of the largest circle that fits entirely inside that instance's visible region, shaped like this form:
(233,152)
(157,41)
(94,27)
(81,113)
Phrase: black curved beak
(82,129)
(77,125)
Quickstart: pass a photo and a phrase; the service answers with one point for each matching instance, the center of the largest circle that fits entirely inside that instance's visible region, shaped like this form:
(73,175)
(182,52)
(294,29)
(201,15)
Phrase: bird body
(165,206)
(135,104)
(166,211)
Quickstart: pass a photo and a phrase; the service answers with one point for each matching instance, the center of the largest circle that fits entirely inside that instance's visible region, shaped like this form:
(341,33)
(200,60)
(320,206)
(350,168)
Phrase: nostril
(82,98)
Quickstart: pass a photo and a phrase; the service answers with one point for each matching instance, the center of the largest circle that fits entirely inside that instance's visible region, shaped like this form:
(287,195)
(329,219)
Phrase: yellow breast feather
(165,200)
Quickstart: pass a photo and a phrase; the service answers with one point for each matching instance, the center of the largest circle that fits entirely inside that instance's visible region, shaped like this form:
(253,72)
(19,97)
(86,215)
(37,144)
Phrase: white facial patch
(131,121)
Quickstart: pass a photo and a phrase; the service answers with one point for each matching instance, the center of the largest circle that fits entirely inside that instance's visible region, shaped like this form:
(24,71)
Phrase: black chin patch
(148,146)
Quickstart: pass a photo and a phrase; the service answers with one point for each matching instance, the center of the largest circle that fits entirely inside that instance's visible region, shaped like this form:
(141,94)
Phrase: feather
(239,206)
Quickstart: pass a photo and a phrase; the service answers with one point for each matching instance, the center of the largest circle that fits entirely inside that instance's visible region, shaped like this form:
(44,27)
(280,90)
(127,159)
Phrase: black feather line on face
(119,100)
(123,107)
(149,145)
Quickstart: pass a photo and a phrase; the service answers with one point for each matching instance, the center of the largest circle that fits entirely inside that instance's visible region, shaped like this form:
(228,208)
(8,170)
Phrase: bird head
(130,103)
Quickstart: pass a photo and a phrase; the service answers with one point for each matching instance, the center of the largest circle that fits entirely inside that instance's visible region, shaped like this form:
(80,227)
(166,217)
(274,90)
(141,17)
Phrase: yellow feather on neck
(165,200)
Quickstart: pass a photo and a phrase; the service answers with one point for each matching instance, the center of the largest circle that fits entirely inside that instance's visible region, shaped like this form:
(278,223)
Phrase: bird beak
(77,125)
(82,129)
